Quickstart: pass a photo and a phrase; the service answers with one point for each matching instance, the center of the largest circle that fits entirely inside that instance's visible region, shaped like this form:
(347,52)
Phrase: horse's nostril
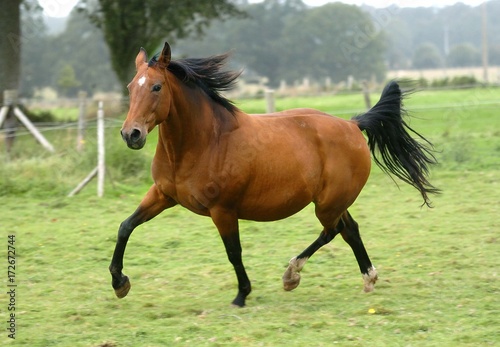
(135,135)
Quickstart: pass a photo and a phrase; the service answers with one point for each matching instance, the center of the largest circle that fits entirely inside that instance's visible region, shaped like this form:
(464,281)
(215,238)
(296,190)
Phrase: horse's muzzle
(134,138)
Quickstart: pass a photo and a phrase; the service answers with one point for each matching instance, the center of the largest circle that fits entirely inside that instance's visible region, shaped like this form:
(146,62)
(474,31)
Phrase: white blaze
(141,81)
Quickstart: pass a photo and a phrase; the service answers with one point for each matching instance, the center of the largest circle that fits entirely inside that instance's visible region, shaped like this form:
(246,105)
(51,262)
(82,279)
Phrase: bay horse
(217,161)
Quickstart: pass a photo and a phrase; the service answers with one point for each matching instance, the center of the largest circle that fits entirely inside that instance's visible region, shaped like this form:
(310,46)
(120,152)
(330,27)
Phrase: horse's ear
(141,58)
(165,56)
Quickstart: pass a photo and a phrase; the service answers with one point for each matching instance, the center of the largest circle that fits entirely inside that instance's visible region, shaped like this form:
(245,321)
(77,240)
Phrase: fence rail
(116,123)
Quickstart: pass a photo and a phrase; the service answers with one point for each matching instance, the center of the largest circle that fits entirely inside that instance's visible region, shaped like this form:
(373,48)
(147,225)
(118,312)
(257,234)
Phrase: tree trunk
(10,45)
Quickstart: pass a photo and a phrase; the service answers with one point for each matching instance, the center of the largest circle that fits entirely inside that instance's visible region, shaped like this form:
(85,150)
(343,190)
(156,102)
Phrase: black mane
(207,74)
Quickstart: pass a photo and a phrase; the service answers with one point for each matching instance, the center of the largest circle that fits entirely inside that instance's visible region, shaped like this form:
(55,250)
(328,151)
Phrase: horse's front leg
(227,224)
(151,205)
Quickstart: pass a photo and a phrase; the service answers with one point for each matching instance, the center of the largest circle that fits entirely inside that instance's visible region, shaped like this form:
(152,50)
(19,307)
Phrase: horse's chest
(203,189)
(198,185)
(195,197)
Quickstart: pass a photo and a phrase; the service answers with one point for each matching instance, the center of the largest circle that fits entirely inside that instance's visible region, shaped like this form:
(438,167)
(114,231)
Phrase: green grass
(64,114)
(438,284)
(342,104)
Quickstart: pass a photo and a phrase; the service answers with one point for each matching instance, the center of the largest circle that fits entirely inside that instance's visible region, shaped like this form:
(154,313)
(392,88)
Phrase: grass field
(438,274)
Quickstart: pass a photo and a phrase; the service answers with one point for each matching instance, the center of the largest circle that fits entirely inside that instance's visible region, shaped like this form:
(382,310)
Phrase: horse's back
(304,127)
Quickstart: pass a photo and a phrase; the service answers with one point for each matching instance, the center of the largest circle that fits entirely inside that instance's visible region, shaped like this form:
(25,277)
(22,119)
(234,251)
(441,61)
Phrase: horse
(217,161)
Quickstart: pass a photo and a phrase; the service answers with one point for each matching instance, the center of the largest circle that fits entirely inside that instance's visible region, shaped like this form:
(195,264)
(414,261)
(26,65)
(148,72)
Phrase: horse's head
(149,98)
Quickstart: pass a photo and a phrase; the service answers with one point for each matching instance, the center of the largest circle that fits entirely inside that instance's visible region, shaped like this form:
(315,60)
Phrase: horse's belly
(273,205)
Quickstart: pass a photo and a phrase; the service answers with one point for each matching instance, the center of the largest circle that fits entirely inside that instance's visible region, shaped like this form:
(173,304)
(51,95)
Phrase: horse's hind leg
(350,233)
(349,230)
(291,277)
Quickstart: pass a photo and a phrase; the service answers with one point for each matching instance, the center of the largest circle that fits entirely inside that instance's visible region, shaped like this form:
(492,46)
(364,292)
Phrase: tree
(287,40)
(400,46)
(334,40)
(129,25)
(427,56)
(35,43)
(12,38)
(67,81)
(10,45)
(258,40)
(464,54)
(89,58)
(494,55)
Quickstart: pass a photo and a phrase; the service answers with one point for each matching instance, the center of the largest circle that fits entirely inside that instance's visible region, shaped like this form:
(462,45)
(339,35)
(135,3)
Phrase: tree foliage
(80,45)
(67,81)
(338,40)
(279,39)
(427,56)
(259,40)
(128,25)
(460,23)
(464,54)
(286,40)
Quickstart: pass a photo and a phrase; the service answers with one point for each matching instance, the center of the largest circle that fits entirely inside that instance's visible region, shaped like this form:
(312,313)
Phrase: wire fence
(46,127)
(115,122)
(114,116)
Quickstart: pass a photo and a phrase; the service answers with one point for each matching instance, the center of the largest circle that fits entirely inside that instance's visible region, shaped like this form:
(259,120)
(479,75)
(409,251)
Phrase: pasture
(438,274)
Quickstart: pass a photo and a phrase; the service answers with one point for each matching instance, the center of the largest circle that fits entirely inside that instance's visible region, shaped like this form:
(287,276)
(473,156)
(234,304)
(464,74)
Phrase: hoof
(237,304)
(369,280)
(239,301)
(123,289)
(291,277)
(291,283)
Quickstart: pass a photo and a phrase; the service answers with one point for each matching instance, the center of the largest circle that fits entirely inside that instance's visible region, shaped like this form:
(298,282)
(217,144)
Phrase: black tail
(400,154)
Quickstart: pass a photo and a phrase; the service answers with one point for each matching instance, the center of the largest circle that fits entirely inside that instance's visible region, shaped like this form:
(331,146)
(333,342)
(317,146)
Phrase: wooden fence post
(269,100)
(366,94)
(10,98)
(100,169)
(101,165)
(80,138)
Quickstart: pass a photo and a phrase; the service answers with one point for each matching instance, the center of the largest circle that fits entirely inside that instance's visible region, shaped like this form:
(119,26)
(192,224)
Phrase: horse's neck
(191,125)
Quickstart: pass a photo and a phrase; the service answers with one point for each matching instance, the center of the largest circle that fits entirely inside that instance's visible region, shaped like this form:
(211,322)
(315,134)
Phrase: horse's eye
(156,88)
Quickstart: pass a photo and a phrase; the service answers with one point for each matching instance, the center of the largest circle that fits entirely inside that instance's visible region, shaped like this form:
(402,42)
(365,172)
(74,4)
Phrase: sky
(61,8)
